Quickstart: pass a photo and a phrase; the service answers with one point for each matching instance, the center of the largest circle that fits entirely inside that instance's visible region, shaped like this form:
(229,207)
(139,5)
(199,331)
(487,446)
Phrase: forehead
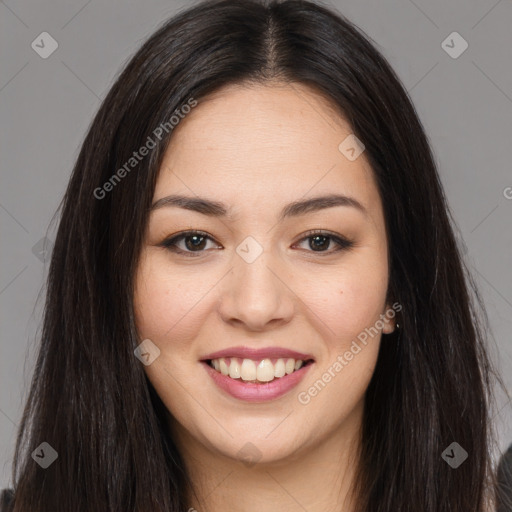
(266,144)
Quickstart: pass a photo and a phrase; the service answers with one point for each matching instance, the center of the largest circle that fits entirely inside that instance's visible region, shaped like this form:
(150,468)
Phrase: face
(257,285)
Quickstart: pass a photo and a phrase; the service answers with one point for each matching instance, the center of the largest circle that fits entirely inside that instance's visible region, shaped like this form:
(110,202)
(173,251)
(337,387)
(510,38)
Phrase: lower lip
(253,392)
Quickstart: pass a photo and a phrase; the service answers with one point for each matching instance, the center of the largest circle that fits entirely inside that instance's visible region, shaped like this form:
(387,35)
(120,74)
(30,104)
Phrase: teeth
(265,371)
(289,366)
(234,369)
(279,368)
(223,367)
(248,371)
(256,371)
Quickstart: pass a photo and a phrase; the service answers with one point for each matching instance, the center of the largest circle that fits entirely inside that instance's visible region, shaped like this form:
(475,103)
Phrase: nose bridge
(255,293)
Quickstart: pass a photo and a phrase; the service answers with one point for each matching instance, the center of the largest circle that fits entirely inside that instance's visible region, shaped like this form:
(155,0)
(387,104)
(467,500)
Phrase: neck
(316,478)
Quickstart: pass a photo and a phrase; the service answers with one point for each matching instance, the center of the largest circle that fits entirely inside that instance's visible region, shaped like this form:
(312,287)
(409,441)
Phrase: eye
(320,240)
(196,242)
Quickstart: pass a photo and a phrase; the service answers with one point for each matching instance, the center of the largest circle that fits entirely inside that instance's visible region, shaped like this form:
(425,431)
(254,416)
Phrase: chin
(260,451)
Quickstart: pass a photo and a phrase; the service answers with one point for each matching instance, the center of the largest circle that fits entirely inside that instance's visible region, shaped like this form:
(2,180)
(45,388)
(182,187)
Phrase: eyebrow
(294,209)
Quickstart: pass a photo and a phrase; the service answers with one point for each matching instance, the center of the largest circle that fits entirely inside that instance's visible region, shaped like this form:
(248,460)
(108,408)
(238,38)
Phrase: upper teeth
(248,370)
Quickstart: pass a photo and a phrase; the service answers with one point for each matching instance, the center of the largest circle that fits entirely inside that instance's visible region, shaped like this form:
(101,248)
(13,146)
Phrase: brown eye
(194,242)
(320,241)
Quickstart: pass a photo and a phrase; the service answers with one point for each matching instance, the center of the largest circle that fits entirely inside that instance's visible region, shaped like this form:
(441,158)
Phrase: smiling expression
(287,260)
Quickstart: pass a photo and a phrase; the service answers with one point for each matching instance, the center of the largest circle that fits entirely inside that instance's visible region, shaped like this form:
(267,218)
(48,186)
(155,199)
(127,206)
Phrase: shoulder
(6,500)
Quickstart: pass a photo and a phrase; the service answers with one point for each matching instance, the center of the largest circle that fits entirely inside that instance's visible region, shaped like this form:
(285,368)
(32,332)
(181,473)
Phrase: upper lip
(257,353)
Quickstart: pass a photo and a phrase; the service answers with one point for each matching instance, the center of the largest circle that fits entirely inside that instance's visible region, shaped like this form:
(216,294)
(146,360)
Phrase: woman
(256,300)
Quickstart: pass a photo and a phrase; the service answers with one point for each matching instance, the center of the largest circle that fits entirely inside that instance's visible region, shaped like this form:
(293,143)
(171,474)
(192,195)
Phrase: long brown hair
(90,398)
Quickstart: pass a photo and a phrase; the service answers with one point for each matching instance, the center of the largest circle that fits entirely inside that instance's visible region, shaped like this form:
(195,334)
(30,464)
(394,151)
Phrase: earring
(397,325)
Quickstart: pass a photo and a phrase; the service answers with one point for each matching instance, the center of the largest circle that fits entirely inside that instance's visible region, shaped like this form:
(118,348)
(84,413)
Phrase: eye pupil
(315,239)
(199,239)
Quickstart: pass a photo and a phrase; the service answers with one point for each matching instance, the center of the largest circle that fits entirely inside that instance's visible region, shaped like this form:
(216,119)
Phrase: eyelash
(170,243)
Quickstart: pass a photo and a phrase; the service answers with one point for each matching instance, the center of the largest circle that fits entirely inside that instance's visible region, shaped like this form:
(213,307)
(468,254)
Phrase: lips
(257,375)
(257,353)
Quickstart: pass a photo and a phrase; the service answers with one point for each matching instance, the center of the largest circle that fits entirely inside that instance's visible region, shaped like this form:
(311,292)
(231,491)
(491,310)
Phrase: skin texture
(257,148)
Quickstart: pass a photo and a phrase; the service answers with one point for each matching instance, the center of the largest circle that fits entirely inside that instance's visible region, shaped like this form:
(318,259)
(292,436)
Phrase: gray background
(47,104)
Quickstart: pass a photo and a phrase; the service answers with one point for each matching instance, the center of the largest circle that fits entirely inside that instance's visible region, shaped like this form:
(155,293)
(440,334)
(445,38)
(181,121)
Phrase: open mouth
(257,371)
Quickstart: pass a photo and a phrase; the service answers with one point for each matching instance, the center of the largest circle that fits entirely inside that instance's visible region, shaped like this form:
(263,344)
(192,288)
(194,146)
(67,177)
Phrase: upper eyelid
(307,234)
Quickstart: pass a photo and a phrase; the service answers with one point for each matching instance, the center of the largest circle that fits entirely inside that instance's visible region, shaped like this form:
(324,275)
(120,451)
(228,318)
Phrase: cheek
(345,311)
(168,304)
(346,302)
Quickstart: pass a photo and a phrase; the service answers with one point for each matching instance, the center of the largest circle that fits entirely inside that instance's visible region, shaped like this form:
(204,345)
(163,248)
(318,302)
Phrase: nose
(257,295)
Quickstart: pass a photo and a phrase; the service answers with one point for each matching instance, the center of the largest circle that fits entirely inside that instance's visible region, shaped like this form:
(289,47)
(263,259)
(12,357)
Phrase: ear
(389,317)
